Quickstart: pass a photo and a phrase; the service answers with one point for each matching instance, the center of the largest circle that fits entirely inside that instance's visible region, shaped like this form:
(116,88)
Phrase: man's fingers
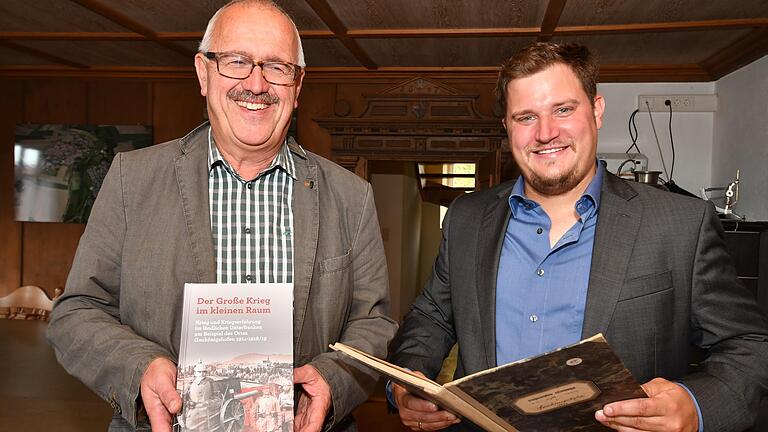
(632,423)
(430,426)
(158,393)
(315,400)
(415,403)
(618,427)
(420,414)
(645,407)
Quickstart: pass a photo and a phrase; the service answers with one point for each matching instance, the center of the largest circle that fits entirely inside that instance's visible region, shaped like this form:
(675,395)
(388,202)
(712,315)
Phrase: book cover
(560,390)
(235,370)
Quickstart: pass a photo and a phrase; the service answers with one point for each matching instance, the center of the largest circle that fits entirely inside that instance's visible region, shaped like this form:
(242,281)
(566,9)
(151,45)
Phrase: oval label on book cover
(573,361)
(556,397)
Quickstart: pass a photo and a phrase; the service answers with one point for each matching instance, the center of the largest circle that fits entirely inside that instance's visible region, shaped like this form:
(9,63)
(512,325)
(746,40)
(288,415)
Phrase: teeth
(548,151)
(251,106)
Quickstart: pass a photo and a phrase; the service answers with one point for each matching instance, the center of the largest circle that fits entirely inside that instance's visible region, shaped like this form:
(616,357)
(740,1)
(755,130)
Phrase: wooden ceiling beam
(72,36)
(124,20)
(42,54)
(676,26)
(324,11)
(741,52)
(442,32)
(654,73)
(551,18)
(132,36)
(608,73)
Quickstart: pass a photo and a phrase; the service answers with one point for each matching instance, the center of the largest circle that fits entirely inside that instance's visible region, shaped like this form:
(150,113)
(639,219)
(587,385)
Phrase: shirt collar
(518,199)
(283,160)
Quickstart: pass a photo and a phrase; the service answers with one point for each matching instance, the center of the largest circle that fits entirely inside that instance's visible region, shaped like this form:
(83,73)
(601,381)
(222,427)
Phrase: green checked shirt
(252,220)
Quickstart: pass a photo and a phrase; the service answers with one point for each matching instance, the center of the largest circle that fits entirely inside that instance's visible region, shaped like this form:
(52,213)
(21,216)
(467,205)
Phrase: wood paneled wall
(33,253)
(41,253)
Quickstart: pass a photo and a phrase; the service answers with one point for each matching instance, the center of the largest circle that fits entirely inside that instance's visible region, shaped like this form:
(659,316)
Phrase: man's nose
(548,130)
(256,82)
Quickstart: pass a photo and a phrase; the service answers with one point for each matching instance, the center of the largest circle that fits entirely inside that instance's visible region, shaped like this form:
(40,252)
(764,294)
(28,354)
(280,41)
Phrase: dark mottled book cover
(560,390)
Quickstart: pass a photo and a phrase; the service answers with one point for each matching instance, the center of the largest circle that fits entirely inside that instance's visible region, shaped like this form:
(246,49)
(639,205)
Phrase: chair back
(28,302)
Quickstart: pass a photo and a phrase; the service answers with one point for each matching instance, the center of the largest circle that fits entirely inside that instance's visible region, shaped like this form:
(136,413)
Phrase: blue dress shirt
(541,291)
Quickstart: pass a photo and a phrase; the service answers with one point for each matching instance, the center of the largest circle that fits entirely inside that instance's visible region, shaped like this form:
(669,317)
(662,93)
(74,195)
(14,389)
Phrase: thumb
(171,399)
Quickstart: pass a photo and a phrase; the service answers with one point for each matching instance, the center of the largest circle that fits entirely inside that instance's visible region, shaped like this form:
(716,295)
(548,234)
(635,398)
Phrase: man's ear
(298,90)
(201,68)
(598,110)
(504,122)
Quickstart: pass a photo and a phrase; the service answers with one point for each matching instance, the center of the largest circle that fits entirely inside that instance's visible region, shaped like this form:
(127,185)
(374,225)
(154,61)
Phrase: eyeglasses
(238,66)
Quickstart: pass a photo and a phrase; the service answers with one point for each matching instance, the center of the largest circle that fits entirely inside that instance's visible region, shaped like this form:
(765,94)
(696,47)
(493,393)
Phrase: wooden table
(36,394)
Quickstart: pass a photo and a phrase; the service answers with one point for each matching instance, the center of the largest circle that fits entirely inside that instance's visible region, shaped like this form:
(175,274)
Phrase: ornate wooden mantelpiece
(420,119)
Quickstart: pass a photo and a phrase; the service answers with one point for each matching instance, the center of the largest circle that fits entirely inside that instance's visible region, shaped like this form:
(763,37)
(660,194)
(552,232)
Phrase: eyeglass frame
(214,55)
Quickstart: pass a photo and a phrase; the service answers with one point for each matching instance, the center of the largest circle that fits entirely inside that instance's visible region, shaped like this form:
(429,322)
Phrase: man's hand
(668,408)
(419,414)
(158,393)
(314,402)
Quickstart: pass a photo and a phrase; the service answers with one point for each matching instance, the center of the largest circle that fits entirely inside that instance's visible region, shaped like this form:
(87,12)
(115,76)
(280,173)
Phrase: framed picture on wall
(59,168)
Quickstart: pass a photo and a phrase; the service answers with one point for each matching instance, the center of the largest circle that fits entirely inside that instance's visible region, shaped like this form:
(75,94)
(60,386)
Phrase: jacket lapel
(618,218)
(192,176)
(489,243)
(306,223)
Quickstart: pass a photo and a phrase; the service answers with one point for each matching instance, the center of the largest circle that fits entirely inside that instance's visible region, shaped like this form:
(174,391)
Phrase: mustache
(251,97)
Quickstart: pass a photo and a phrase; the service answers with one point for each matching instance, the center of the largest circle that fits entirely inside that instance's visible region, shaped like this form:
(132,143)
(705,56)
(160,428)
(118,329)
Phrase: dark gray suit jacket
(150,232)
(661,281)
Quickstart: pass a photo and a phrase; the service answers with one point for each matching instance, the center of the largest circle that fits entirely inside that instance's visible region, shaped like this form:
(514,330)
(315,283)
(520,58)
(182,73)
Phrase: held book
(559,390)
(235,370)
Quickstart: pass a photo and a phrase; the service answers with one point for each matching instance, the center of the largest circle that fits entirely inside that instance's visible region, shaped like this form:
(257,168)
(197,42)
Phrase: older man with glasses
(194,210)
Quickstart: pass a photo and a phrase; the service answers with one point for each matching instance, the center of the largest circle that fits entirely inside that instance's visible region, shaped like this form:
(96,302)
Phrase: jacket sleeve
(728,324)
(428,333)
(366,324)
(85,329)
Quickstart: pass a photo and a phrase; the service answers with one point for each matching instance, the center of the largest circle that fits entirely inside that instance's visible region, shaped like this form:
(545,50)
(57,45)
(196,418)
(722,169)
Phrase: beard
(551,186)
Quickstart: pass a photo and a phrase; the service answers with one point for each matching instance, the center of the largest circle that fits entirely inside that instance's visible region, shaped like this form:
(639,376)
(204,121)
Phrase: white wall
(692,132)
(741,137)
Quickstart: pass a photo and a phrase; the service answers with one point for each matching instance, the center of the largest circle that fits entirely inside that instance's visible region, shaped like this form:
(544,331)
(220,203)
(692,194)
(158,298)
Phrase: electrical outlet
(685,103)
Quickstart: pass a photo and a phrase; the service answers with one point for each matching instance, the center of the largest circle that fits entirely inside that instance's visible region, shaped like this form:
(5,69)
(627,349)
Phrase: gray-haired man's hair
(205,44)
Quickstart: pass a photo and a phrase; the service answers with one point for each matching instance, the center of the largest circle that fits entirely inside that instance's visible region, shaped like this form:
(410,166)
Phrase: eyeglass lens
(240,67)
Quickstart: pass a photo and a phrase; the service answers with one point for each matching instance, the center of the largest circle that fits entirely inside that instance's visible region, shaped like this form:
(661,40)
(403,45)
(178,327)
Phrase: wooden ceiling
(637,40)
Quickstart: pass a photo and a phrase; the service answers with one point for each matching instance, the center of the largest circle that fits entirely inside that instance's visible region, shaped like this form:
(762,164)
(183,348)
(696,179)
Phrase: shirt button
(540,272)
(533,318)
(250,185)
(539,231)
(247,230)
(248,277)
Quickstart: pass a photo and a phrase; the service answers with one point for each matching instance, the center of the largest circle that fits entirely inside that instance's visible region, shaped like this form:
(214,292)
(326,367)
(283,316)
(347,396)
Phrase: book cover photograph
(235,371)
(560,390)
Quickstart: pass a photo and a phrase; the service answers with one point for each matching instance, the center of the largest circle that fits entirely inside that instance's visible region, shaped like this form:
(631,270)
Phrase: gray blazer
(661,281)
(150,232)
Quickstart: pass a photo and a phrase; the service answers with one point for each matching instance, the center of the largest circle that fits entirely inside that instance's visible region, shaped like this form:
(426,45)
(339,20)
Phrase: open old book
(560,390)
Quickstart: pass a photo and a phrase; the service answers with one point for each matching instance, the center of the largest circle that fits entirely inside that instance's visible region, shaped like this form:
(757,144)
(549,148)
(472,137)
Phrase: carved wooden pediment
(420,86)
(417,119)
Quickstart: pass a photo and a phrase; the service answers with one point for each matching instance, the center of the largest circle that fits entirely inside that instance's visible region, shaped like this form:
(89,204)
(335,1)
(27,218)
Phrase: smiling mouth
(549,150)
(252,106)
